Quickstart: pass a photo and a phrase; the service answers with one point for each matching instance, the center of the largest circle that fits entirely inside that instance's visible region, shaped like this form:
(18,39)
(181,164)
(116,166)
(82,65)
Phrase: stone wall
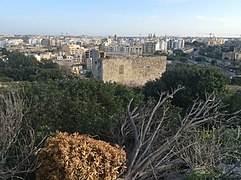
(132,70)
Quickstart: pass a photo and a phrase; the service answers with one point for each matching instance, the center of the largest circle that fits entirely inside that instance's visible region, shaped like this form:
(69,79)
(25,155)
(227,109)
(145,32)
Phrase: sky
(121,17)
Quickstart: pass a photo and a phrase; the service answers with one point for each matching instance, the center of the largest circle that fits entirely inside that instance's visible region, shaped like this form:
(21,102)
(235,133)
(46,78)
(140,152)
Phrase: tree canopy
(78,105)
(21,67)
(197,81)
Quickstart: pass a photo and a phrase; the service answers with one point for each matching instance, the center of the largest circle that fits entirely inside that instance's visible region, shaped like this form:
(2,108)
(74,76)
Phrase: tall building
(176,44)
(149,47)
(2,43)
(55,42)
(161,45)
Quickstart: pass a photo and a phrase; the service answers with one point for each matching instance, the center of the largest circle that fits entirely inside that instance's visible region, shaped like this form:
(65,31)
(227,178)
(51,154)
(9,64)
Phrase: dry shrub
(75,156)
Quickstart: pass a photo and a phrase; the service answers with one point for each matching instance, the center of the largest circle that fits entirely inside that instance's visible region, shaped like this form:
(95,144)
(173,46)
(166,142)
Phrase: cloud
(211,19)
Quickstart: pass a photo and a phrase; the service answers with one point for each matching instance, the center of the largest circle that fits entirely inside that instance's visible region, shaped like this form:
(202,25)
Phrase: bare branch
(158,147)
(17,142)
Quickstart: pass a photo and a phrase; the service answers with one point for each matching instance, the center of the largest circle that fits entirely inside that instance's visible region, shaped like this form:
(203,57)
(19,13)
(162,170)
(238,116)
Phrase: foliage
(159,53)
(78,105)
(20,67)
(236,81)
(5,51)
(198,44)
(89,74)
(212,150)
(200,59)
(158,148)
(179,55)
(47,74)
(214,62)
(183,59)
(197,81)
(234,103)
(211,51)
(70,157)
(197,175)
(5,79)
(2,64)
(20,60)
(229,48)
(179,52)
(47,64)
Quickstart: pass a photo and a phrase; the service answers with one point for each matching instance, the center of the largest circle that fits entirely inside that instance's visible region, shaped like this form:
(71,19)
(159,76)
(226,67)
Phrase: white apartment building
(2,43)
(161,45)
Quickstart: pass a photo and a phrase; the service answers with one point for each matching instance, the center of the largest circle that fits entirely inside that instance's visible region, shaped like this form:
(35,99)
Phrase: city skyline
(124,18)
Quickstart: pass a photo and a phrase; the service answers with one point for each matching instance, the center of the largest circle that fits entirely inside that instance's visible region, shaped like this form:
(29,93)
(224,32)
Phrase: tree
(20,67)
(46,75)
(48,64)
(2,64)
(211,51)
(200,59)
(199,44)
(197,81)
(159,149)
(20,61)
(179,52)
(78,105)
(183,59)
(5,51)
(214,62)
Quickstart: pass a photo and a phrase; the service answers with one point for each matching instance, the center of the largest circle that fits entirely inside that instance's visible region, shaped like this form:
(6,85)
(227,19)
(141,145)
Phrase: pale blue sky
(123,17)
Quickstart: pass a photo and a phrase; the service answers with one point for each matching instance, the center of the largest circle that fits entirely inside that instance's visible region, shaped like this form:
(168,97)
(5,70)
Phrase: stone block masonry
(131,70)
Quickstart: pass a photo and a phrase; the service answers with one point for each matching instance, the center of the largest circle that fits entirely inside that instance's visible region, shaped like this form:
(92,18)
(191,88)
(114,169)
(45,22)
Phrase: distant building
(90,56)
(132,70)
(188,50)
(163,45)
(55,42)
(45,42)
(72,49)
(47,55)
(215,41)
(149,47)
(60,58)
(228,56)
(15,42)
(77,69)
(2,43)
(237,49)
(38,57)
(34,41)
(176,44)
(235,55)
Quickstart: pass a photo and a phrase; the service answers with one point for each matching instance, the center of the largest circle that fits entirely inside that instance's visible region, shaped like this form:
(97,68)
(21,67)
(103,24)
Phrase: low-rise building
(235,55)
(77,69)
(131,70)
(72,49)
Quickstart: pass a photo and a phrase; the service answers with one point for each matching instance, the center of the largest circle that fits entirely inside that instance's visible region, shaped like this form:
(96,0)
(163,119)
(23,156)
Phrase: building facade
(131,70)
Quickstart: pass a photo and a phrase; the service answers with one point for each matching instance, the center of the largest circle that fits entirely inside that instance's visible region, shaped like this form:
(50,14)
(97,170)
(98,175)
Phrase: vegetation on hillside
(187,121)
(20,67)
